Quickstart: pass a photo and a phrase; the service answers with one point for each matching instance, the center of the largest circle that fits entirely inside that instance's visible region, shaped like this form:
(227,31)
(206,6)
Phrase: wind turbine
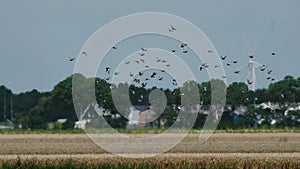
(252,66)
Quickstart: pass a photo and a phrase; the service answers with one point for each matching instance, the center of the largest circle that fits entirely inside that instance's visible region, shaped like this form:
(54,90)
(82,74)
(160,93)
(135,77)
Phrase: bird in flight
(127,62)
(205,65)
(136,80)
(143,49)
(223,57)
(174,82)
(144,84)
(114,47)
(153,75)
(234,61)
(237,72)
(71,59)
(185,51)
(158,59)
(84,53)
(183,45)
(173,50)
(249,82)
(107,69)
(172,28)
(273,53)
(270,71)
(132,88)
(141,98)
(251,56)
(142,53)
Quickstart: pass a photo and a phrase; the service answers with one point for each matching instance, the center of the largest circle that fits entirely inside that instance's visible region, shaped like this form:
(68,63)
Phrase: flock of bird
(141,78)
(143,81)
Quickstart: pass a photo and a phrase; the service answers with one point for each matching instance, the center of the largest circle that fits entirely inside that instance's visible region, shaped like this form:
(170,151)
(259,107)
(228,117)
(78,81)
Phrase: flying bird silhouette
(205,65)
(183,45)
(234,61)
(107,69)
(262,69)
(144,84)
(153,75)
(142,60)
(270,71)
(237,72)
(249,82)
(174,82)
(136,80)
(143,49)
(173,28)
(223,57)
(84,53)
(71,59)
(127,62)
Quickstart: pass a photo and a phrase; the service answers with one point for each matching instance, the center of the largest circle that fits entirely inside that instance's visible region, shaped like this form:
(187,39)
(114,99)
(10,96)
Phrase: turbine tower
(252,65)
(251,79)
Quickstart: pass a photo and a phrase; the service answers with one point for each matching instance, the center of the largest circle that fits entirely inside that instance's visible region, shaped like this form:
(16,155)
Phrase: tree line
(34,109)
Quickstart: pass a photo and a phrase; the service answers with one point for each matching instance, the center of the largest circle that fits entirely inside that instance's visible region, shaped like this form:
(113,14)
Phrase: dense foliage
(34,109)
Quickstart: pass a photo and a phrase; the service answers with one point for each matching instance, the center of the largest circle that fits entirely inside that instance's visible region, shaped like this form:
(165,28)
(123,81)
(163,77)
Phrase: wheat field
(222,150)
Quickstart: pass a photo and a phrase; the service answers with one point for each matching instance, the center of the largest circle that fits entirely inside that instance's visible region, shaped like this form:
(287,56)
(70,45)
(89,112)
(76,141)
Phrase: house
(133,118)
(9,125)
(92,111)
(52,125)
(147,119)
(141,116)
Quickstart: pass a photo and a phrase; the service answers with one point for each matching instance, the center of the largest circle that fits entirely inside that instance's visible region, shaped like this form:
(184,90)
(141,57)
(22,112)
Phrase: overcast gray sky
(37,37)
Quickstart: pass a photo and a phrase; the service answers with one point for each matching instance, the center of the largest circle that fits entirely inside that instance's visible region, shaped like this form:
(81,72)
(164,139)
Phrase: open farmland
(234,150)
